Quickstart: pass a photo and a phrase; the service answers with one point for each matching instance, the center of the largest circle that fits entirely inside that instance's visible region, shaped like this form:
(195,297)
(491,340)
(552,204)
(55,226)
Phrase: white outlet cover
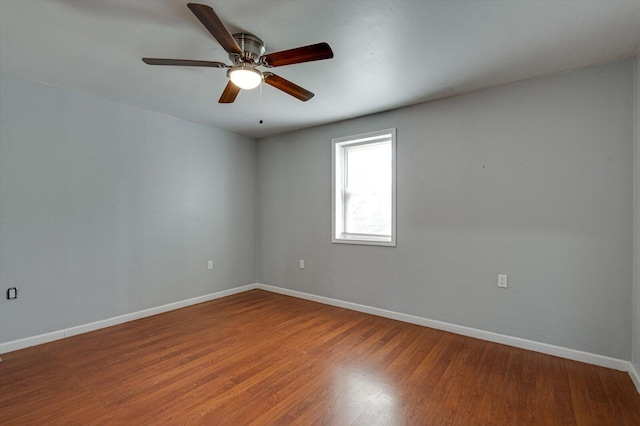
(502,281)
(301,263)
(210,264)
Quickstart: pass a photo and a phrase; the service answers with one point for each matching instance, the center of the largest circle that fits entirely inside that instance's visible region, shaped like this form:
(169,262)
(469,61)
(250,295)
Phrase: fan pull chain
(260,103)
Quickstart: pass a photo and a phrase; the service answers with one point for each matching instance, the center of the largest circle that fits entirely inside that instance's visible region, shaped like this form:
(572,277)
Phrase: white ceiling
(388,53)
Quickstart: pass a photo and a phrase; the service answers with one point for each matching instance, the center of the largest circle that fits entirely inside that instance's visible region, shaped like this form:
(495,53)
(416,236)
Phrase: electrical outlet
(301,263)
(210,264)
(12,293)
(502,281)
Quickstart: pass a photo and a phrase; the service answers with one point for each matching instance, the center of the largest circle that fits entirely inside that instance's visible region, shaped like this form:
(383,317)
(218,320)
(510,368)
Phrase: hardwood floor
(262,358)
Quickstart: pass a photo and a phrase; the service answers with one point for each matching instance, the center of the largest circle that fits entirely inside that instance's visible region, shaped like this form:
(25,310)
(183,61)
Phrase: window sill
(367,241)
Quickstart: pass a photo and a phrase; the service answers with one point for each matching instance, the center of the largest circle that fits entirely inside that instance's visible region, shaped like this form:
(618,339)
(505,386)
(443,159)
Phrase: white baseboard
(545,348)
(635,377)
(576,355)
(85,328)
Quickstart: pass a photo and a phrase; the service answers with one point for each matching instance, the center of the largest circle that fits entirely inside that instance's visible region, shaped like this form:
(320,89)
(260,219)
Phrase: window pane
(363,189)
(368,189)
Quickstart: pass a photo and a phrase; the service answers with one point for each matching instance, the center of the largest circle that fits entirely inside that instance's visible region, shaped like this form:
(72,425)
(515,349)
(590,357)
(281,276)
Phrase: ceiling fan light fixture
(245,76)
(246,52)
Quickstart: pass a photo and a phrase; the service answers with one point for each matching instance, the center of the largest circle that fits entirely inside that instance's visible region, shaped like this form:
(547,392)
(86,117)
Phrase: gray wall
(533,180)
(636,253)
(107,209)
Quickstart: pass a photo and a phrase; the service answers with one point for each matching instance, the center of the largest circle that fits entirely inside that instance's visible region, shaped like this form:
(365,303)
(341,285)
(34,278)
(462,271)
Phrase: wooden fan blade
(210,20)
(183,62)
(229,94)
(287,87)
(314,52)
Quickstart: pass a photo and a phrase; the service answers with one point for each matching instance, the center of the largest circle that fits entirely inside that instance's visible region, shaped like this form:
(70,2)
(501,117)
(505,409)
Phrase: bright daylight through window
(363,186)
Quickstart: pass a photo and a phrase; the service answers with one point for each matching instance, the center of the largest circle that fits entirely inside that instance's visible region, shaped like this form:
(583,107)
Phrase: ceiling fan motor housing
(252,47)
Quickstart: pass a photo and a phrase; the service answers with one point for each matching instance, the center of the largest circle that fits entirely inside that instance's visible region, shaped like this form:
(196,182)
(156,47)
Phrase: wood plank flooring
(262,358)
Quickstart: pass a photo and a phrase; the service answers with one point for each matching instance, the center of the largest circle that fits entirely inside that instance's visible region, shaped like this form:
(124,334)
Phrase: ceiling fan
(246,51)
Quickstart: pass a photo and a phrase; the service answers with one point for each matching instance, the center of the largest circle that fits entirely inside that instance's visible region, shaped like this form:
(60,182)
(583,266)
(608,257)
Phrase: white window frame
(338,146)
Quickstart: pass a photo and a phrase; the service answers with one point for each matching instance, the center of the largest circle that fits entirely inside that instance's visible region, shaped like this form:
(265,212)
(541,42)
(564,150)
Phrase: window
(363,189)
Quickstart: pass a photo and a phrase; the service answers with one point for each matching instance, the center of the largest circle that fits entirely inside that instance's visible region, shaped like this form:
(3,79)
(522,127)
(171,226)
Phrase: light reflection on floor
(362,399)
